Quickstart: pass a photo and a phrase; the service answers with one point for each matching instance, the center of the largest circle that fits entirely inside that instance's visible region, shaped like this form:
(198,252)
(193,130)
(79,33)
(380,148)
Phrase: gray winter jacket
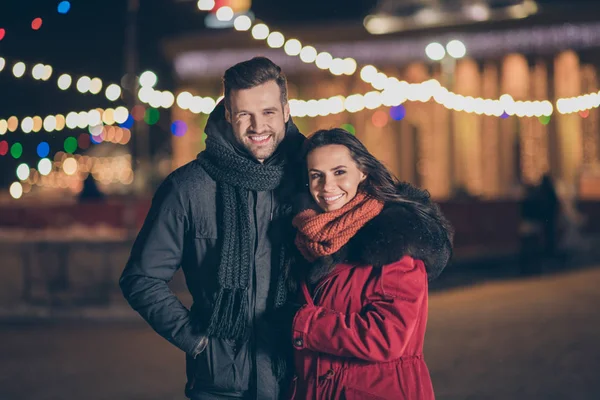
(182,230)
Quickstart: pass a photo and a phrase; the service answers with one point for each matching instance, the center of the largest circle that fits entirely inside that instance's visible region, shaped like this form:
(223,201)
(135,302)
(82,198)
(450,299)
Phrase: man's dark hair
(252,73)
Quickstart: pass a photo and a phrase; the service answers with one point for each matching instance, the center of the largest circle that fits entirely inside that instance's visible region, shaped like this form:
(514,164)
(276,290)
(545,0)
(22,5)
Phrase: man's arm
(154,259)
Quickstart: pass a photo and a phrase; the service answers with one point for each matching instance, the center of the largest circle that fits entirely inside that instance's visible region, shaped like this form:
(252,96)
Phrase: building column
(567,83)
(467,130)
(186,147)
(490,135)
(515,82)
(590,118)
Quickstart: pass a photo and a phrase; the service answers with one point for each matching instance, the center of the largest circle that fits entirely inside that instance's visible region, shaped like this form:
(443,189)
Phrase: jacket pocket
(223,367)
(350,393)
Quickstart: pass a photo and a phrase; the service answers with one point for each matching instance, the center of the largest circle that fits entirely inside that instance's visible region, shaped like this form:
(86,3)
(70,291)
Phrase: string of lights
(83,84)
(68,171)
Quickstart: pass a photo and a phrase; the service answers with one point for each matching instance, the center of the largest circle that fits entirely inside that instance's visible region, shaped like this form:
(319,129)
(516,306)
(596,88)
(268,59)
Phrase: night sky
(89,40)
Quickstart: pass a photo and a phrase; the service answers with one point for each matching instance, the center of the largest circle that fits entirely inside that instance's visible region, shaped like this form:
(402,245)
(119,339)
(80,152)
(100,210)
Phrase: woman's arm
(381,331)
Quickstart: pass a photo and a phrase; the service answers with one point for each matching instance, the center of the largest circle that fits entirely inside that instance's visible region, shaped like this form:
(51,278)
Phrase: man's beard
(263,152)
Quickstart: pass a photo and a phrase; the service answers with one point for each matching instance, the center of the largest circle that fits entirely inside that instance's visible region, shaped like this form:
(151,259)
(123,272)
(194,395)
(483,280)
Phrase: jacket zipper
(320,287)
(271,193)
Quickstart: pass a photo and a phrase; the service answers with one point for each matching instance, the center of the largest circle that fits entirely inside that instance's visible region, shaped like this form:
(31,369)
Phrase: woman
(371,245)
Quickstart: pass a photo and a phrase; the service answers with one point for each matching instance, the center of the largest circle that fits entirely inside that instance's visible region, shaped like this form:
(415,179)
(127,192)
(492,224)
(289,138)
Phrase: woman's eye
(340,172)
(314,176)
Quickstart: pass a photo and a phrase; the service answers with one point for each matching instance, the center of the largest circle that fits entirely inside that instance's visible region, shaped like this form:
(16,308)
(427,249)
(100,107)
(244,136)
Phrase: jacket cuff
(201,346)
(301,325)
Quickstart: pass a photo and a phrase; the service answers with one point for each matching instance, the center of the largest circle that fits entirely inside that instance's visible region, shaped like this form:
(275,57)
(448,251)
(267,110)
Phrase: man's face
(258,118)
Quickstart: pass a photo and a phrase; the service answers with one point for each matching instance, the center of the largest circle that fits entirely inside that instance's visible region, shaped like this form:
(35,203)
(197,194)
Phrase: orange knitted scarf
(322,234)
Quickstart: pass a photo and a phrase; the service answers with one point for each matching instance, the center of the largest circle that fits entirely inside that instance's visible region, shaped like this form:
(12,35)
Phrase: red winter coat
(360,332)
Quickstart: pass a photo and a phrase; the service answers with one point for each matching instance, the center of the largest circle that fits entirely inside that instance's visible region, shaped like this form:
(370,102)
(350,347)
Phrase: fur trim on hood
(416,228)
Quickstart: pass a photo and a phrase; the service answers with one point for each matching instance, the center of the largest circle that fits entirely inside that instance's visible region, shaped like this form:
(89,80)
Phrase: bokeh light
(293,47)
(242,23)
(138,112)
(456,49)
(95,86)
(2,33)
(379,118)
(260,31)
(206,5)
(19,69)
(16,150)
(44,166)
(70,166)
(36,24)
(121,114)
(23,171)
(70,145)
(16,190)
(27,124)
(113,92)
(83,84)
(3,148)
(224,13)
(49,124)
(128,124)
(398,112)
(3,126)
(148,79)
(108,116)
(13,123)
(275,40)
(64,7)
(545,119)
(152,116)
(350,128)
(308,54)
(435,51)
(43,149)
(38,123)
(64,81)
(179,128)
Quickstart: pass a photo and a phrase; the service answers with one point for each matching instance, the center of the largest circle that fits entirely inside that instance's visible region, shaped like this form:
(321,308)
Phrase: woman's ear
(363,176)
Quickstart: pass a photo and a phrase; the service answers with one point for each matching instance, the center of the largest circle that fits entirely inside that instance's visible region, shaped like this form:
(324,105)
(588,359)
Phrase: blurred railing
(73,254)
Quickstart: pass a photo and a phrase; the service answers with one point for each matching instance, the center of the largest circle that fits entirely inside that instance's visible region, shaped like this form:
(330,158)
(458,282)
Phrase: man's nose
(258,123)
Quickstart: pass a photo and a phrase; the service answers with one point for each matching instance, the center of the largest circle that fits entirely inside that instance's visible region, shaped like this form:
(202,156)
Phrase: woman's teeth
(332,198)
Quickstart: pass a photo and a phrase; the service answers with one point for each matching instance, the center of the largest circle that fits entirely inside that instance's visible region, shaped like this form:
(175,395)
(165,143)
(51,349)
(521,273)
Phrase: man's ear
(227,115)
(286,112)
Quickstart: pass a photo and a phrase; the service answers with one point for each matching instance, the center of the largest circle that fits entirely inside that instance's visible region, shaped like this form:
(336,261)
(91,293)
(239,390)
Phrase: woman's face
(333,176)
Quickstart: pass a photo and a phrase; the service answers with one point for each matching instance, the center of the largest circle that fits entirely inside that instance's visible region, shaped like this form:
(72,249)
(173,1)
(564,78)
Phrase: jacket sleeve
(155,257)
(381,331)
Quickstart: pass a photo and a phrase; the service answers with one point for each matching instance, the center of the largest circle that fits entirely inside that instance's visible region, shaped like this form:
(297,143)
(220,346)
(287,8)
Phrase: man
(223,218)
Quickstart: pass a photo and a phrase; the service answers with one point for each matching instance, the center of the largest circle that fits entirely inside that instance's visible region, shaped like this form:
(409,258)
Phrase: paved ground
(536,338)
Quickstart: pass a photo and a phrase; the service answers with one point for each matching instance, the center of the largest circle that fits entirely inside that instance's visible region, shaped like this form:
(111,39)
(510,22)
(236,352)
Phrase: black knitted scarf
(236,176)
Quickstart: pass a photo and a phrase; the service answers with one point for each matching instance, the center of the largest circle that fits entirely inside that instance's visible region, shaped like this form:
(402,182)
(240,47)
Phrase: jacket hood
(220,130)
(416,228)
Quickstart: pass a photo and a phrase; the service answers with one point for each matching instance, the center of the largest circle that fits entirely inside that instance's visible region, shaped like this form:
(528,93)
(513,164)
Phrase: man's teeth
(333,197)
(259,138)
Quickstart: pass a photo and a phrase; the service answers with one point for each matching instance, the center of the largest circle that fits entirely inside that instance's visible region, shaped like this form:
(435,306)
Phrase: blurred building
(532,51)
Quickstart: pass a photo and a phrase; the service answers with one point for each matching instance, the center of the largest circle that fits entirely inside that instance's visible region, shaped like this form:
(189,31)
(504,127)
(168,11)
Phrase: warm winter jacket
(182,230)
(360,332)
